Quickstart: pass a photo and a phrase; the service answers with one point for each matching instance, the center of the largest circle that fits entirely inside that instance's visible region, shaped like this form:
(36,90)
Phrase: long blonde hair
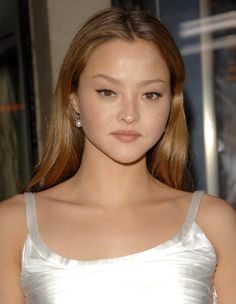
(64,147)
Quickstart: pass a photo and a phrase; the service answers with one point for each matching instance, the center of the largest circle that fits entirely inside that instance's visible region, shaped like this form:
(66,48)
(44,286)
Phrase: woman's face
(124,99)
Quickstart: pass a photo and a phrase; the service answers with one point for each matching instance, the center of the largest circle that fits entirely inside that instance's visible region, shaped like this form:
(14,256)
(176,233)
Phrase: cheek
(161,115)
(157,123)
(93,118)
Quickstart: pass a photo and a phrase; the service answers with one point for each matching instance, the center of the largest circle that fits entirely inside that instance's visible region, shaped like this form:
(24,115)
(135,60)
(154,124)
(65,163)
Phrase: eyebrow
(117,81)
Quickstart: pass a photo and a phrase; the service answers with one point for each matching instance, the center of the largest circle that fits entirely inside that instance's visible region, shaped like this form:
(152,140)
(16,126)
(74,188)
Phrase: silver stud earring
(78,122)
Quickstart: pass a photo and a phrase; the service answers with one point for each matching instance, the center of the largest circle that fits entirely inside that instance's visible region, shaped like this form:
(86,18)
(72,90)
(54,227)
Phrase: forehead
(123,56)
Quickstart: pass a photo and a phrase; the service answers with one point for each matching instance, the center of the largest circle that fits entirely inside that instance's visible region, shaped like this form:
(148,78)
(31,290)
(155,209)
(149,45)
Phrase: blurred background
(34,36)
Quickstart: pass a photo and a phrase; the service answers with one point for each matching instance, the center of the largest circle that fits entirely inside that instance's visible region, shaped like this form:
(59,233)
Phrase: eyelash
(102,91)
(105,90)
(158,95)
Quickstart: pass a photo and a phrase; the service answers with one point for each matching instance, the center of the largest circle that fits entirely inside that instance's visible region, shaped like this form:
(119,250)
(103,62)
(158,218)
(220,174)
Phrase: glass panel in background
(224,63)
(15,128)
(205,31)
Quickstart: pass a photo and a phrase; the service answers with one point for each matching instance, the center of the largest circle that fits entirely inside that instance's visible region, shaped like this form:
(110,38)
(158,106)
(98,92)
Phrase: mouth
(126,135)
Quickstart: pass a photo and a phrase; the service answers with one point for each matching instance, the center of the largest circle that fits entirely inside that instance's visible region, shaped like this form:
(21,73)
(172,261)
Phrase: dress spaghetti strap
(31,216)
(194,206)
(180,270)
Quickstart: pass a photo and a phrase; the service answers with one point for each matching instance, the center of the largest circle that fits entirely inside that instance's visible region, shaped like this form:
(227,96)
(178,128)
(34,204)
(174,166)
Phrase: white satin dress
(178,271)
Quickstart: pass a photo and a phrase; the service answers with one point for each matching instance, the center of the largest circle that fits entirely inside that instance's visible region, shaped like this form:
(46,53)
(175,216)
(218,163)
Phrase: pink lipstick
(126,135)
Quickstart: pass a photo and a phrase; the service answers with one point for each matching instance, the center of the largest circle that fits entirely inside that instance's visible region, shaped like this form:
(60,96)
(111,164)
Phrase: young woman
(110,215)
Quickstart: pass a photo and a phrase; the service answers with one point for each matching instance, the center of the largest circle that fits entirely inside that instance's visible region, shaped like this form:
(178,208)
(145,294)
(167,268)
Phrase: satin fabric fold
(178,271)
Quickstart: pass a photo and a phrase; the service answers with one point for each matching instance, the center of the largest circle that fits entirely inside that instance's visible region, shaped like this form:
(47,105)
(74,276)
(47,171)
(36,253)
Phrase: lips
(126,135)
(126,132)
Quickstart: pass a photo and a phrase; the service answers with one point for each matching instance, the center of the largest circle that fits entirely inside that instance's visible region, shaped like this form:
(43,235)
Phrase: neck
(110,183)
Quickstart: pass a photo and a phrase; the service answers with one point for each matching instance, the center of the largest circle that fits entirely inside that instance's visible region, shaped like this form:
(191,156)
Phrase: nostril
(129,116)
(130,119)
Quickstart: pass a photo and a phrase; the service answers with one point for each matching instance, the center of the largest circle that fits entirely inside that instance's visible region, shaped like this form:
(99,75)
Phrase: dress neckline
(48,254)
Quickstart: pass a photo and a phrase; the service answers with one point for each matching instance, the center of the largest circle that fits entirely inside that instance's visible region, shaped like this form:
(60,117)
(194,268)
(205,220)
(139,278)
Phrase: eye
(152,95)
(106,93)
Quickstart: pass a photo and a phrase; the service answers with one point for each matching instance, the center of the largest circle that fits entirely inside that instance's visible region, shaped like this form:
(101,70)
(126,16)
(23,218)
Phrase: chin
(128,160)
(126,156)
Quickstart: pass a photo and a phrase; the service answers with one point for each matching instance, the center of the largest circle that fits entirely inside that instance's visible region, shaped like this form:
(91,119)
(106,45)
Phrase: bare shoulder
(12,201)
(12,209)
(12,220)
(218,219)
(12,235)
(217,212)
(216,207)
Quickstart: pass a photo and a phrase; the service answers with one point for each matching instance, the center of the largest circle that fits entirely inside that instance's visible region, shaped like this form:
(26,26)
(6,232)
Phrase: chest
(179,272)
(94,233)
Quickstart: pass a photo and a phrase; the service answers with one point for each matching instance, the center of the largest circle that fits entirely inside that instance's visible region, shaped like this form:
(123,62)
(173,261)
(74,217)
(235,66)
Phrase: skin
(112,207)
(128,105)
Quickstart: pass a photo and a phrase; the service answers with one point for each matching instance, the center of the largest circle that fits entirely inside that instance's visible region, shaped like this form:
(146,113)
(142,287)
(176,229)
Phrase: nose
(129,112)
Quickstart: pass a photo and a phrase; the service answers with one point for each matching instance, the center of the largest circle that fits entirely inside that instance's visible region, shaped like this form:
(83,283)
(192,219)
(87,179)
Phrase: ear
(74,102)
